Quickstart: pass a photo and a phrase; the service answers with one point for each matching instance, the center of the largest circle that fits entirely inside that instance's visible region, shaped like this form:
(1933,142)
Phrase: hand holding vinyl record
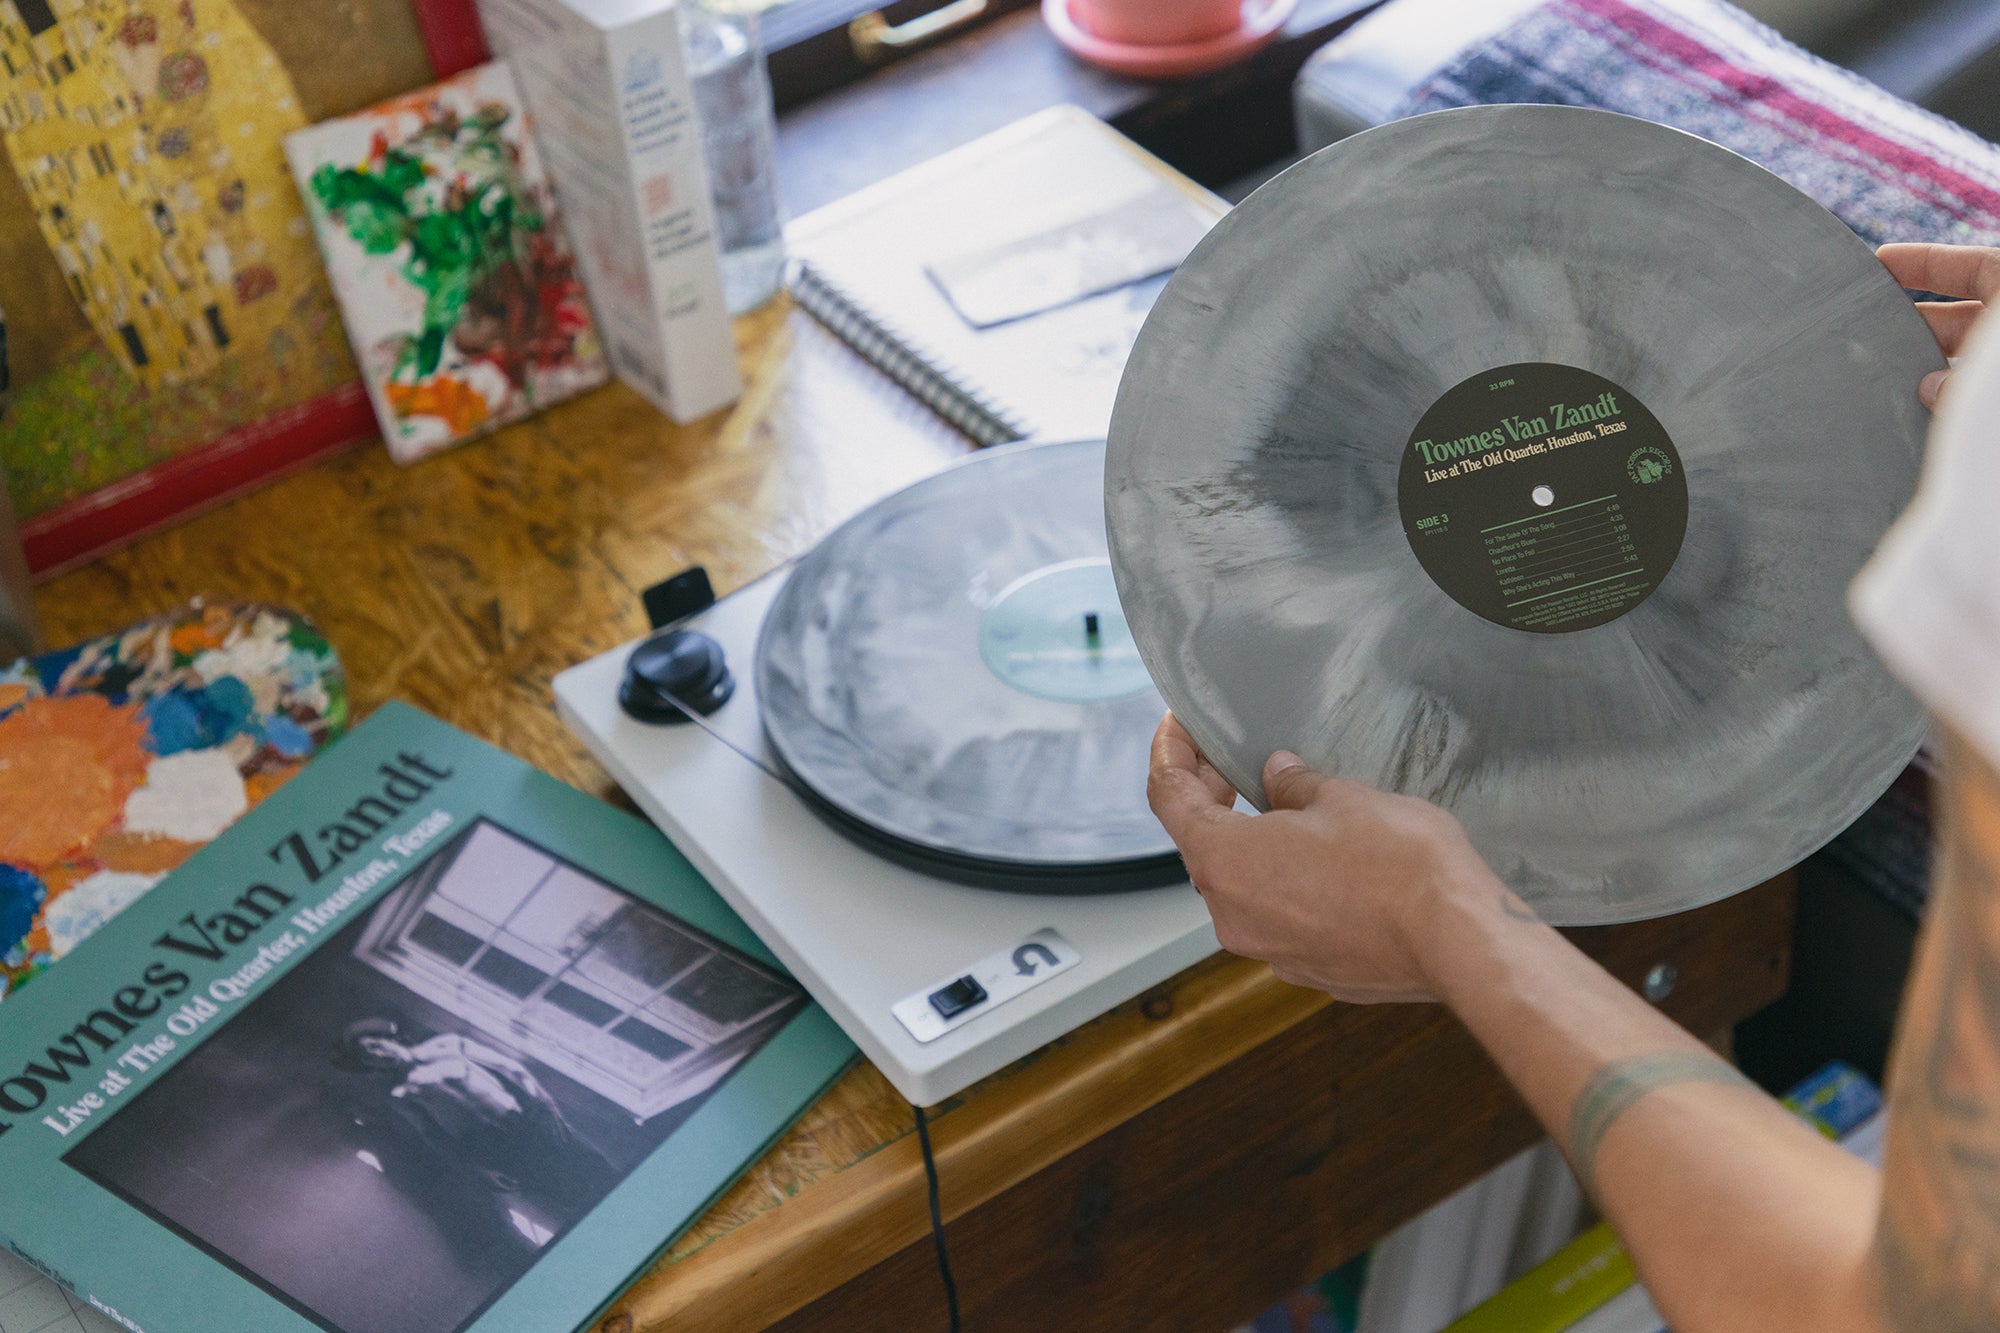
(1341,887)
(1969,273)
(1494,496)
(1336,887)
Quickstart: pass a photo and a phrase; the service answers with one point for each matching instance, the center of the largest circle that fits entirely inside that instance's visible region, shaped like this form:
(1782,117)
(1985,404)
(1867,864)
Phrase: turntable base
(872,940)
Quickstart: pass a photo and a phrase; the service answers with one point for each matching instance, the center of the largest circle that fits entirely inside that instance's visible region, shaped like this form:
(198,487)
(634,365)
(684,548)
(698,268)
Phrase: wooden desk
(1175,1165)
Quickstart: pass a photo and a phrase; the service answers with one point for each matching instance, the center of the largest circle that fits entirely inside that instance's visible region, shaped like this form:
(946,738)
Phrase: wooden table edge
(1017,1123)
(1222,1007)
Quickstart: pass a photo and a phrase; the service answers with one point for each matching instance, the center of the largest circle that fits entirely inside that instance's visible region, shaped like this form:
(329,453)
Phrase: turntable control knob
(672,672)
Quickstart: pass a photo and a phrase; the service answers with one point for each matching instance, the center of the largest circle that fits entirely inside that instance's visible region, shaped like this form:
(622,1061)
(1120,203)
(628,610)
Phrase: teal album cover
(428,1041)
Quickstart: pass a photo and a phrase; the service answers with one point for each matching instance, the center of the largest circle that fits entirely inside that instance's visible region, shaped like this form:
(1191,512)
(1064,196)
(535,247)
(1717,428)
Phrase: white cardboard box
(607,90)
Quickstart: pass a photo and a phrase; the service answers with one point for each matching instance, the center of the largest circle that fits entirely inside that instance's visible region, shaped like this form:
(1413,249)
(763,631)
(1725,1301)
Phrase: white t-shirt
(1930,599)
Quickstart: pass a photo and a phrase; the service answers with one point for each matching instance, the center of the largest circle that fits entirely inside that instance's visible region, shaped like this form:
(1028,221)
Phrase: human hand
(1340,887)
(1970,272)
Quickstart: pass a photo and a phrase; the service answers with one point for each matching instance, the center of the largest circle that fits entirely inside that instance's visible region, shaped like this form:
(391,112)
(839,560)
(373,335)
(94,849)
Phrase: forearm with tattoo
(1938,1244)
(1614,1089)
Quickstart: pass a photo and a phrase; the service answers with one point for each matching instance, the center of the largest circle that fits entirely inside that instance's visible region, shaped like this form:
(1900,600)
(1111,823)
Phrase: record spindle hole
(1543,496)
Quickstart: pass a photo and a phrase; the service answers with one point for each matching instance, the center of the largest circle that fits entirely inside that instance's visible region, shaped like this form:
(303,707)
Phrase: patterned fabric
(122,756)
(1887,169)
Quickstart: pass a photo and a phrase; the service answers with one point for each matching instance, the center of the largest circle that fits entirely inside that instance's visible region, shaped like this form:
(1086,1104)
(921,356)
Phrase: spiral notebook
(1003,283)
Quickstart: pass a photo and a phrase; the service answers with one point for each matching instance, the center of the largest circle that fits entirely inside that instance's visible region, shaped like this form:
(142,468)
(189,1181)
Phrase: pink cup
(1158,22)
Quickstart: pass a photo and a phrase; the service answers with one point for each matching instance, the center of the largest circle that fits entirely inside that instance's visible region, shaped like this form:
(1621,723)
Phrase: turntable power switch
(957,997)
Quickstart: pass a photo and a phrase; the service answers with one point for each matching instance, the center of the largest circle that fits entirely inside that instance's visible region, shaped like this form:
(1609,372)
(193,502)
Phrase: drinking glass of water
(732,97)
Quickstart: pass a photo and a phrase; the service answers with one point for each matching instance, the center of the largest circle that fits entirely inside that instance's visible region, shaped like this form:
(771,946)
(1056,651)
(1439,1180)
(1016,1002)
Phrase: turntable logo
(1648,465)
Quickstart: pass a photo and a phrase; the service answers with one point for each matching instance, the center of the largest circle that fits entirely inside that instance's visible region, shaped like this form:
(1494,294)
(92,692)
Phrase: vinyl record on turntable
(1518,458)
(950,679)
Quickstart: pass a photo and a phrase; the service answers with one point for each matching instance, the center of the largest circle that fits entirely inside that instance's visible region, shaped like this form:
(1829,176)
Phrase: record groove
(950,679)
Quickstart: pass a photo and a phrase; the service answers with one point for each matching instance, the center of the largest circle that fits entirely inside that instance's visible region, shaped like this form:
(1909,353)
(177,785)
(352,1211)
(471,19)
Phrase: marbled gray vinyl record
(951,670)
(1518,458)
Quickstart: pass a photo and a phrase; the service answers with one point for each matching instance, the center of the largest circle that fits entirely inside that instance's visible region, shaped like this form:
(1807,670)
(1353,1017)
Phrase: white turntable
(938,981)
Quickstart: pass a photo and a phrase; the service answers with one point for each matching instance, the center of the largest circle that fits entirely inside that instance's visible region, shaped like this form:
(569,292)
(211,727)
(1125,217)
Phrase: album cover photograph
(393,1132)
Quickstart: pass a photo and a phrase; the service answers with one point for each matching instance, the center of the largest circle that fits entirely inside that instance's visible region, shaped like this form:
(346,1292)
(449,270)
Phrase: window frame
(386,946)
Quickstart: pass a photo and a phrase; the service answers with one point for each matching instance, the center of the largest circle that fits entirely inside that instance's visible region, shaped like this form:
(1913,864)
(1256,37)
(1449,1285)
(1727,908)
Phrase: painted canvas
(459,289)
(162,294)
(159,737)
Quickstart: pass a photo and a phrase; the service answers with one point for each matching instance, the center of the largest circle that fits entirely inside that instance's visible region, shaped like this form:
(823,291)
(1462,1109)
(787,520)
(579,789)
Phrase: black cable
(937,1218)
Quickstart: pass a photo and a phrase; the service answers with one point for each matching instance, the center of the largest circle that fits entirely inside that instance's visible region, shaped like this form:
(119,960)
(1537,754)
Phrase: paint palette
(157,737)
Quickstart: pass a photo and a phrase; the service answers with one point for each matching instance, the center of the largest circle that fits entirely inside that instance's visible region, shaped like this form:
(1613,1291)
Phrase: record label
(1543,497)
(1058,633)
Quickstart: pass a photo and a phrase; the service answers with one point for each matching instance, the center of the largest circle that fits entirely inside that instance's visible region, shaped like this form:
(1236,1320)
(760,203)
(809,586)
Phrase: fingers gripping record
(1963,272)
(1969,276)
(1289,783)
(1332,886)
(1193,801)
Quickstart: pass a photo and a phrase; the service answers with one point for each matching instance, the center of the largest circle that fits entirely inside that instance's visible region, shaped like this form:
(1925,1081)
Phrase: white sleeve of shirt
(1930,599)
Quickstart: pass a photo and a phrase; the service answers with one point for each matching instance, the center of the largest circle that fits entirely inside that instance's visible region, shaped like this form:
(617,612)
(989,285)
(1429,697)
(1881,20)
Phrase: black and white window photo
(394,1131)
